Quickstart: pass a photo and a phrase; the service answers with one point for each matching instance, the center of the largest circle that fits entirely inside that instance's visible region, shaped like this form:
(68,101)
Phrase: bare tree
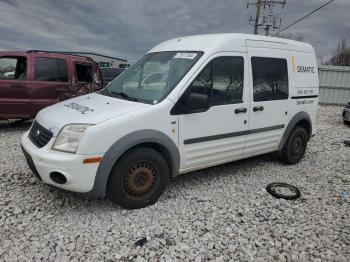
(341,56)
(292,36)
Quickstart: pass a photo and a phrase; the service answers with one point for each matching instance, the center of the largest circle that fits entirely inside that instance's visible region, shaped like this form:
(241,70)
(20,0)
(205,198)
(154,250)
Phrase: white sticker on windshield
(185,55)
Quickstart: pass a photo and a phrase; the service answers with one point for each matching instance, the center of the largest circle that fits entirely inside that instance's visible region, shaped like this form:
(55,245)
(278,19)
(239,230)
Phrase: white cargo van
(189,103)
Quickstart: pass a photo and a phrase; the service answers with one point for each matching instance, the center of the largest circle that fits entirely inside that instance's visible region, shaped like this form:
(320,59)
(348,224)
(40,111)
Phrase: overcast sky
(128,28)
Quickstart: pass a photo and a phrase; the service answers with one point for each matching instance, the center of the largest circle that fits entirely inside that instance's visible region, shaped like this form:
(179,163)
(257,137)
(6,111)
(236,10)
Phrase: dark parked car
(109,73)
(32,80)
(346,113)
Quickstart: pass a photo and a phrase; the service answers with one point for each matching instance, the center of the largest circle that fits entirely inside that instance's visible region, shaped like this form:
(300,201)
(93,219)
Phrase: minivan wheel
(139,178)
(295,147)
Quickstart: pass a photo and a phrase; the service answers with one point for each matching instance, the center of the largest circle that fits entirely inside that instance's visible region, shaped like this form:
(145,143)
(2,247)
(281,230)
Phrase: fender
(292,123)
(124,144)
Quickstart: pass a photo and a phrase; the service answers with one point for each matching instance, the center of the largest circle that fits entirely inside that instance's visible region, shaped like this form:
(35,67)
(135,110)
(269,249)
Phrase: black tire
(271,189)
(346,122)
(139,178)
(295,146)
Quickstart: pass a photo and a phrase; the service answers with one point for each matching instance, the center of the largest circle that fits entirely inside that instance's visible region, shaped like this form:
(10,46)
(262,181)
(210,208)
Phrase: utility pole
(269,21)
(257,16)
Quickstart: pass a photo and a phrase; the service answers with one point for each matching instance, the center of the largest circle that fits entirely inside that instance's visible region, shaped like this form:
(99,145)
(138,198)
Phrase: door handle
(258,108)
(63,89)
(17,86)
(240,110)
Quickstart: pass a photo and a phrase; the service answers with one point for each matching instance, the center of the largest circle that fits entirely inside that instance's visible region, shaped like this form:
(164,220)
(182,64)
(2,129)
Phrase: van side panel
(304,89)
(302,94)
(275,114)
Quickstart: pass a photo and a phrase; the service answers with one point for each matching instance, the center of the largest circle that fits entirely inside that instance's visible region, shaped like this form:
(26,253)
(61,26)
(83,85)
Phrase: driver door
(218,133)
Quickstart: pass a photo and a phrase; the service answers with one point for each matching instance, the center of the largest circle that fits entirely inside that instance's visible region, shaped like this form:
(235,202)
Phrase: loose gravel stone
(220,214)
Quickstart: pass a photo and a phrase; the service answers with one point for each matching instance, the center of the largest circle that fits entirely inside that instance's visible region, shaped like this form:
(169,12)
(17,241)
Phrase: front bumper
(43,161)
(346,114)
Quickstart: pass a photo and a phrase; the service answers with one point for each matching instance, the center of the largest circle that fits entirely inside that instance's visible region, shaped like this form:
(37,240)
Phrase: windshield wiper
(124,95)
(105,91)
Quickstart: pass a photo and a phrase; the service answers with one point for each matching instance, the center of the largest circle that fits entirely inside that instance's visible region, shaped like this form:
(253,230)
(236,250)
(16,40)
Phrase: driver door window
(221,80)
(14,91)
(13,68)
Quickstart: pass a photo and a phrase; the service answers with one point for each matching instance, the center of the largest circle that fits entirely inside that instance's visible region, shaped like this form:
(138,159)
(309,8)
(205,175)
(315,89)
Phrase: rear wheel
(295,147)
(139,178)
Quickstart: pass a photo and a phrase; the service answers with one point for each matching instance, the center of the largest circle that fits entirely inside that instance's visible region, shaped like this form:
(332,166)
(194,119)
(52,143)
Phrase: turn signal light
(92,160)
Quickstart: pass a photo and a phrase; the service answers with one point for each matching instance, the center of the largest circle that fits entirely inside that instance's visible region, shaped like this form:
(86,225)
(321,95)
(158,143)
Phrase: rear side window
(108,74)
(83,73)
(221,80)
(51,70)
(13,68)
(270,78)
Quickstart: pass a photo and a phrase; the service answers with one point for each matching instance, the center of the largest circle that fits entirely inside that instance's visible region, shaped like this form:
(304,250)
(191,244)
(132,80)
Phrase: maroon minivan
(32,80)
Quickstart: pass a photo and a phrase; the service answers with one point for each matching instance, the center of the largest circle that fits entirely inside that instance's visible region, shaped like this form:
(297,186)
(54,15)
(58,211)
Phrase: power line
(314,11)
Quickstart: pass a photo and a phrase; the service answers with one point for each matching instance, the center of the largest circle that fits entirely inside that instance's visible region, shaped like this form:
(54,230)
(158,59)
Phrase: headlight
(69,137)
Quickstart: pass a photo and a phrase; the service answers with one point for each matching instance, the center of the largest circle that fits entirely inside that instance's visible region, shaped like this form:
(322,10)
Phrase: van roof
(212,43)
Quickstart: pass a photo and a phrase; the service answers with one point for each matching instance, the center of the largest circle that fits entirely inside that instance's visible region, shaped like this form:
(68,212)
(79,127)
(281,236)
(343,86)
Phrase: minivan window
(153,77)
(13,68)
(51,70)
(270,78)
(109,73)
(83,73)
(221,80)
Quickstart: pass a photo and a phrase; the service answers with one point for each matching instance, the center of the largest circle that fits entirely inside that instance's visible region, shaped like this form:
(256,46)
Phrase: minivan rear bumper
(346,113)
(45,162)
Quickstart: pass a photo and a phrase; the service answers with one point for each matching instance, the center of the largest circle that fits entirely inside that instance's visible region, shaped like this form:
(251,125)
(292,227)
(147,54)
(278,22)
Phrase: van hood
(88,109)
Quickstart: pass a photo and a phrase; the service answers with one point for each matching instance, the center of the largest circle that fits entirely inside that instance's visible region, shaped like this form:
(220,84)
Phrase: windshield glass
(153,77)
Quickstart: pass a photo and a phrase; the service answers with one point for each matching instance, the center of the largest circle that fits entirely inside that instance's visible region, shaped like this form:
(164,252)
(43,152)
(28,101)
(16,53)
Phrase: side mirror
(197,102)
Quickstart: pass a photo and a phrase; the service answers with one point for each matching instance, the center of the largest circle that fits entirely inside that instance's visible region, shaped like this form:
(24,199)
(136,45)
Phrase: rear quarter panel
(304,83)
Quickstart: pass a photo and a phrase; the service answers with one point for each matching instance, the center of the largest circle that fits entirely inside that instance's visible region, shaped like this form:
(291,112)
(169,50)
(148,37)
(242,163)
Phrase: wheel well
(306,125)
(160,149)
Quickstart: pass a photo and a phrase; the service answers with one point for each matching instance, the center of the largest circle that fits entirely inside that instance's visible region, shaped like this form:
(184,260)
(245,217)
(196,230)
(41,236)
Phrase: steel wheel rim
(139,179)
(297,145)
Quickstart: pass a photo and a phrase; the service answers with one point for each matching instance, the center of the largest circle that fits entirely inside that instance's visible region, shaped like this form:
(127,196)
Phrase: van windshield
(153,77)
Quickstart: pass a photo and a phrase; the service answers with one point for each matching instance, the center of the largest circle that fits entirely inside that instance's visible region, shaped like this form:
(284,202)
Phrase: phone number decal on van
(185,55)
(304,102)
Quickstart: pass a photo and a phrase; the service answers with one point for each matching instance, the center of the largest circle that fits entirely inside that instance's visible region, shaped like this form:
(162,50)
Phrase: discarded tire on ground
(271,188)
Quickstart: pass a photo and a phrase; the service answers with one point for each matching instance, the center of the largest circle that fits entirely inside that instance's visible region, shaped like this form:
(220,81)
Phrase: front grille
(39,135)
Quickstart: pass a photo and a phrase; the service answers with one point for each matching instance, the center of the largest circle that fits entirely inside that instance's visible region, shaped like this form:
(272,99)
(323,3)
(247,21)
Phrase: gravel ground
(221,213)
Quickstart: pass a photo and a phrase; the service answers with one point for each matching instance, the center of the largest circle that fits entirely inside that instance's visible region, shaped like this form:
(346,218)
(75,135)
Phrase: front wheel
(295,146)
(139,178)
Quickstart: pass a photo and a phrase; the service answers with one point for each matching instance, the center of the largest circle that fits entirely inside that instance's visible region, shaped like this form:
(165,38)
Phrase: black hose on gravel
(271,188)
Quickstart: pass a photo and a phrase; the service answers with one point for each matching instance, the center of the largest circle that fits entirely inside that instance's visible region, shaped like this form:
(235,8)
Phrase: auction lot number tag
(185,55)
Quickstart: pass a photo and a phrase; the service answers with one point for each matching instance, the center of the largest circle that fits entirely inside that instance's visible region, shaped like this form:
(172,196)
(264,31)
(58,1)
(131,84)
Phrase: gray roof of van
(228,42)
